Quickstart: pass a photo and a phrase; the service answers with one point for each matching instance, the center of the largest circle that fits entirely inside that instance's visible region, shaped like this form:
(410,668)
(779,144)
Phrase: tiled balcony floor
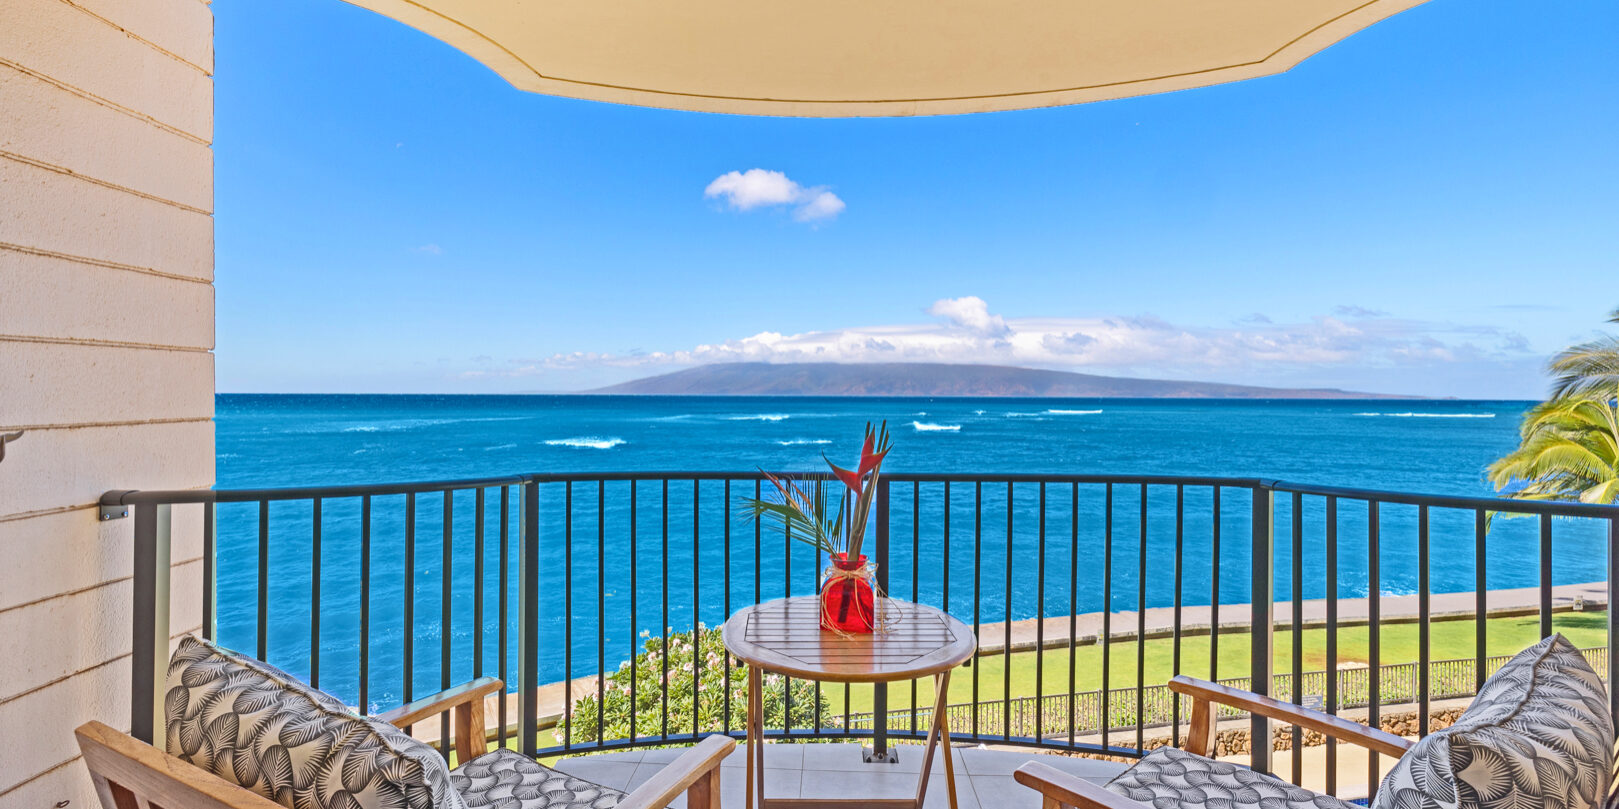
(983,777)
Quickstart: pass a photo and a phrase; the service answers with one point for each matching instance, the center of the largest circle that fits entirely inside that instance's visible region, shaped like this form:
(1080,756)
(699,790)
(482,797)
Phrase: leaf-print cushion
(1612,801)
(1537,736)
(507,779)
(257,726)
(1168,778)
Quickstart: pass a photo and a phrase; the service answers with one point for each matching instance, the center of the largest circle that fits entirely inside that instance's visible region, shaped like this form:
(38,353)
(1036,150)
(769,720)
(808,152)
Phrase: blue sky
(1427,207)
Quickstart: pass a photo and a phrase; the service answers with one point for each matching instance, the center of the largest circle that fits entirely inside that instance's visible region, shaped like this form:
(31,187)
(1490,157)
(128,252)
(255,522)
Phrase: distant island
(939,379)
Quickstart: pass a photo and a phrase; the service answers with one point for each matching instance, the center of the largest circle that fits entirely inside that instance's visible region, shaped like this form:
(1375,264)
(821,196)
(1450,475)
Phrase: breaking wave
(585,442)
(1431,415)
(399,425)
(925,427)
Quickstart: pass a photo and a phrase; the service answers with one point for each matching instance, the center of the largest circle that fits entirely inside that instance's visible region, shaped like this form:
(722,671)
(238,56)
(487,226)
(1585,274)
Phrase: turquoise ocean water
(1436,447)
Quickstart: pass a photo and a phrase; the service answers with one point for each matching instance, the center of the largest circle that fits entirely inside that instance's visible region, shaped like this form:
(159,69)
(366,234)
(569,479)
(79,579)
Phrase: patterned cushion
(1612,801)
(254,725)
(1537,735)
(507,779)
(1169,778)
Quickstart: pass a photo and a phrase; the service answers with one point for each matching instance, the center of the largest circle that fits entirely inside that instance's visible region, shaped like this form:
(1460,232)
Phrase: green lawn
(1452,639)
(1448,640)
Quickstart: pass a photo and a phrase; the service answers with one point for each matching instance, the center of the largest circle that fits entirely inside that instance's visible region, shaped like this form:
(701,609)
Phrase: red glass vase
(848,603)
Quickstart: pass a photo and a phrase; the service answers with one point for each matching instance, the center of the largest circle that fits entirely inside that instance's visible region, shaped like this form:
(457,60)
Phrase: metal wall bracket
(111,509)
(6,438)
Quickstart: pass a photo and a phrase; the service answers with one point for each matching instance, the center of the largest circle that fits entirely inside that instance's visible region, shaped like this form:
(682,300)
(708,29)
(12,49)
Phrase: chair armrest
(1205,692)
(696,770)
(467,702)
(1063,790)
(435,704)
(128,772)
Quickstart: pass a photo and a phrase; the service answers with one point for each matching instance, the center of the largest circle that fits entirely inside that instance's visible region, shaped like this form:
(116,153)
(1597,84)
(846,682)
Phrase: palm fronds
(1569,451)
(1569,444)
(802,510)
(1588,370)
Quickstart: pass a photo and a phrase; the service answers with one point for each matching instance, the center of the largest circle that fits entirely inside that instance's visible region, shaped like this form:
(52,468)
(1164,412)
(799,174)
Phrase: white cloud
(753,188)
(1070,343)
(429,249)
(758,188)
(970,313)
(823,205)
(1351,310)
(1322,350)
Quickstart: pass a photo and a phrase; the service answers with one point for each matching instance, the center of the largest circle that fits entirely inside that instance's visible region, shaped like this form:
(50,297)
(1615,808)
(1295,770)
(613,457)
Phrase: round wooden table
(785,637)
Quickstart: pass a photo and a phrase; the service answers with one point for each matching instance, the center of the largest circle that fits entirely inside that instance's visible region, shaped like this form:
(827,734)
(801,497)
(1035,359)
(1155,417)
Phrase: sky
(1427,207)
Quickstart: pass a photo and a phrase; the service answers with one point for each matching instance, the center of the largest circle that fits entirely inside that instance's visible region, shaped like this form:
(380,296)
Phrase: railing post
(1613,630)
(880,752)
(149,659)
(1262,596)
(528,620)
(210,571)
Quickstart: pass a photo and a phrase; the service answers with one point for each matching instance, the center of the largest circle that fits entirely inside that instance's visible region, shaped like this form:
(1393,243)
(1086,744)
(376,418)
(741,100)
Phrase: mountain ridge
(944,379)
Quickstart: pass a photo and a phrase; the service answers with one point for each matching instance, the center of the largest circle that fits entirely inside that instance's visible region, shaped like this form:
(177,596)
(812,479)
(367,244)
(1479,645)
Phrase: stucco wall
(106,338)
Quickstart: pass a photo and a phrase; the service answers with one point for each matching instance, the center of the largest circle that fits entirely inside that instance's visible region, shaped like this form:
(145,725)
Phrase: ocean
(1438,447)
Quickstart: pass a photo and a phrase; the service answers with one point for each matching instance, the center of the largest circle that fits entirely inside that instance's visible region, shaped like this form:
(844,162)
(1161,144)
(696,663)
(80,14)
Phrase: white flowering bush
(696,674)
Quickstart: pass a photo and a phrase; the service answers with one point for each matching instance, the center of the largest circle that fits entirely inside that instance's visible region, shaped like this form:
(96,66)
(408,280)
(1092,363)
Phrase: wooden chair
(1539,733)
(1063,791)
(131,774)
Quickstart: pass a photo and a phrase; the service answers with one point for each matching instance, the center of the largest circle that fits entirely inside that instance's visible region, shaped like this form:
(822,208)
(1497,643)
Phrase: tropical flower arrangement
(850,602)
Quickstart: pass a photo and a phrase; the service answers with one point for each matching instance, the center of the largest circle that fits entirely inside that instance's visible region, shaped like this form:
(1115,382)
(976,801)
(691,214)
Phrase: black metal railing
(1397,682)
(559,579)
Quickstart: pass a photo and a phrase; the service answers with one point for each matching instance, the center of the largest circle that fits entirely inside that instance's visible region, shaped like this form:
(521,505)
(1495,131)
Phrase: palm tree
(1589,370)
(1569,448)
(1569,451)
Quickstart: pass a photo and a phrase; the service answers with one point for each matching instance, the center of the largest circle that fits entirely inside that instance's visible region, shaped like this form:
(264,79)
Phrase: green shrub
(702,663)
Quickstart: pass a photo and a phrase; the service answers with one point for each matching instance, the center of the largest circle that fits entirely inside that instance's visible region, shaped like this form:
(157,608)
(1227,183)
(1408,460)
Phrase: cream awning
(836,58)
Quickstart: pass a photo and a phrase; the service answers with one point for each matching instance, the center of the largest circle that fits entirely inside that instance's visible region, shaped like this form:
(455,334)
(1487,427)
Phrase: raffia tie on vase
(848,580)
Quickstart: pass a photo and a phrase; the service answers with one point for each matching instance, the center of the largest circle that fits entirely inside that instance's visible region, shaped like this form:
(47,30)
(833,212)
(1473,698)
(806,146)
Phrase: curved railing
(553,582)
